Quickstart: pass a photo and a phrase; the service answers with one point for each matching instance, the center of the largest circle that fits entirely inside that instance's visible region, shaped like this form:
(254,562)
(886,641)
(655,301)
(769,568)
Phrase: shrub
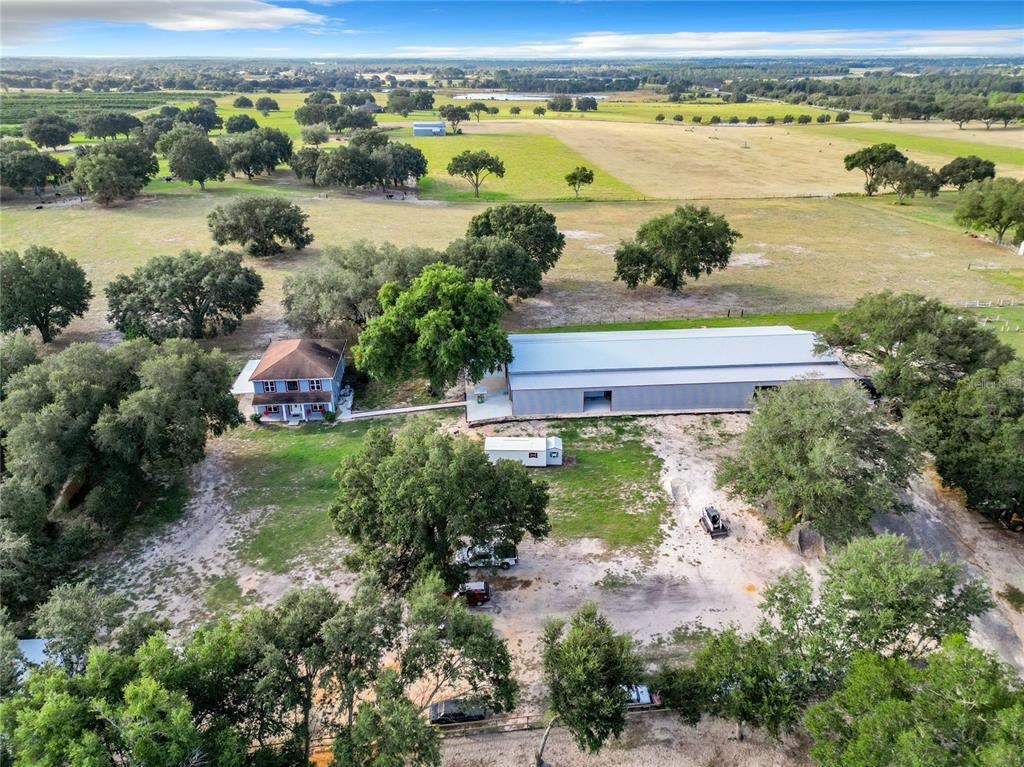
(876,115)
(659,117)
(715,119)
(770,120)
(696,119)
(256,418)
(824,118)
(842,117)
(330,416)
(734,120)
(803,119)
(751,120)
(787,119)
(677,118)
(242,102)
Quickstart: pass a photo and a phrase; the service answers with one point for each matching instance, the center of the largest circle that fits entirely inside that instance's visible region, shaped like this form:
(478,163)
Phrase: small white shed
(529,451)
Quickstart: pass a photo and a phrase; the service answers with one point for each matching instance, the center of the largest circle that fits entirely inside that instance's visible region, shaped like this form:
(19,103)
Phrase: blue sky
(322,29)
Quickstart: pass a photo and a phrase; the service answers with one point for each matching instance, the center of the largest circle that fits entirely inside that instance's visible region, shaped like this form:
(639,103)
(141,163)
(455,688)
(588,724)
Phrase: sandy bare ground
(167,574)
(651,740)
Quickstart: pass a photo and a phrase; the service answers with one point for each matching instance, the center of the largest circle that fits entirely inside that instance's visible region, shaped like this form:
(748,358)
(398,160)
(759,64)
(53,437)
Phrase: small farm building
(428,129)
(529,451)
(703,370)
(372,108)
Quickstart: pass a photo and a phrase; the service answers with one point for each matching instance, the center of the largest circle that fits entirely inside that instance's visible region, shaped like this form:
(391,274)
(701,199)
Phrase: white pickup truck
(491,555)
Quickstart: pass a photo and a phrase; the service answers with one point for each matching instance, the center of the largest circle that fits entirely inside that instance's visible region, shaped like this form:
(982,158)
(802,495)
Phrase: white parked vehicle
(492,555)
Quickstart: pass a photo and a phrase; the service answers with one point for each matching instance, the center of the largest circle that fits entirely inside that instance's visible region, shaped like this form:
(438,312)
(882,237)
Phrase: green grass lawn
(611,489)
(289,472)
(535,169)
(935,144)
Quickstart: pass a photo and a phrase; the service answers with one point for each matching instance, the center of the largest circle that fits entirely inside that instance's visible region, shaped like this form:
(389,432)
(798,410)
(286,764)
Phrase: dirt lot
(651,740)
(660,595)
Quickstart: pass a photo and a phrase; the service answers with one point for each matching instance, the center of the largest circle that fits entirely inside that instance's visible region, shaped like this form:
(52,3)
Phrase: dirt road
(656,739)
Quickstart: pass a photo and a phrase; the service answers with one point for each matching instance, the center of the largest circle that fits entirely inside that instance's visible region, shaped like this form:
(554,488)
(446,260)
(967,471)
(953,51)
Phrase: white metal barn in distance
(703,370)
(529,451)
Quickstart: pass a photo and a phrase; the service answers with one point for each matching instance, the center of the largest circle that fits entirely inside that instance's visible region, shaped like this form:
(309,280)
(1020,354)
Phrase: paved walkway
(400,411)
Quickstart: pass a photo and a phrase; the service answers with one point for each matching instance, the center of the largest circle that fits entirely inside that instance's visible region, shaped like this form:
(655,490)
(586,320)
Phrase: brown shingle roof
(290,397)
(298,358)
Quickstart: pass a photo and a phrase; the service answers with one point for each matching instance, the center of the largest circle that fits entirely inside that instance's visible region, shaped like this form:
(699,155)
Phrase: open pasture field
(684,161)
(796,255)
(1004,146)
(535,168)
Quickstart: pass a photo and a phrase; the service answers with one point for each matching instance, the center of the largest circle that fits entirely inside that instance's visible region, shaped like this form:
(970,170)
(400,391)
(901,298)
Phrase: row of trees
(824,117)
(370,159)
(258,690)
(511,246)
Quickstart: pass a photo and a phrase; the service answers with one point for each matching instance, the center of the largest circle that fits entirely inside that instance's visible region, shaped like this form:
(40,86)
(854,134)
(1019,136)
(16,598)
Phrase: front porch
(293,412)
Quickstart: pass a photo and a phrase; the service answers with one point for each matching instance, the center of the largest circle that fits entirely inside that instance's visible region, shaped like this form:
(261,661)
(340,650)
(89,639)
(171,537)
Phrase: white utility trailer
(529,451)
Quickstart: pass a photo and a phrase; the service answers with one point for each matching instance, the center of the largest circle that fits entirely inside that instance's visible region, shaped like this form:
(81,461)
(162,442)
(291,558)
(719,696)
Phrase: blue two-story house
(298,380)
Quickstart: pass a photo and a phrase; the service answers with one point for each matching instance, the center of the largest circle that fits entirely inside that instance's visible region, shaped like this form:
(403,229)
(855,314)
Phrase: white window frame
(315,384)
(270,387)
(272,409)
(288,387)
(318,407)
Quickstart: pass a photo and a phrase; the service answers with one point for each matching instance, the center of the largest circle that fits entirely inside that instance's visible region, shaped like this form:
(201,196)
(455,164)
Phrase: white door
(295,410)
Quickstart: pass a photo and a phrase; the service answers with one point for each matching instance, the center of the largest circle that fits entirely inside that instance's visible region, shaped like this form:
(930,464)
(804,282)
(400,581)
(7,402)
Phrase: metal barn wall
(547,401)
(717,396)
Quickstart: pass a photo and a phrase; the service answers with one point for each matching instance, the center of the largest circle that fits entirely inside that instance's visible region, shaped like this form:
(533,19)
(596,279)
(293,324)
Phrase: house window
(318,408)
(532,455)
(553,454)
(272,409)
(270,386)
(292,385)
(315,384)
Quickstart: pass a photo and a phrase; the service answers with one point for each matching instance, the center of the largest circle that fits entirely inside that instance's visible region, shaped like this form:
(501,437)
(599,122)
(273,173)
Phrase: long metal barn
(710,369)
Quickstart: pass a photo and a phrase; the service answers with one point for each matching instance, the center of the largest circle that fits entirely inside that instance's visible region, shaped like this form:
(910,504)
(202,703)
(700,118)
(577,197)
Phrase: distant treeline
(929,93)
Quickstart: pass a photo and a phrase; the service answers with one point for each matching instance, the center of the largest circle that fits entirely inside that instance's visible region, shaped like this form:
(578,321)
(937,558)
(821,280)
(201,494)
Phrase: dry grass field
(682,161)
(796,254)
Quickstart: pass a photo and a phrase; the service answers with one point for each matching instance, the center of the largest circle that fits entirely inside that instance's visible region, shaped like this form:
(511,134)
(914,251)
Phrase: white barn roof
(660,357)
(529,444)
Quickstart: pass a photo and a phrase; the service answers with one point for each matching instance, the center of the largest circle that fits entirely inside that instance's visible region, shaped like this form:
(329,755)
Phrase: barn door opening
(597,401)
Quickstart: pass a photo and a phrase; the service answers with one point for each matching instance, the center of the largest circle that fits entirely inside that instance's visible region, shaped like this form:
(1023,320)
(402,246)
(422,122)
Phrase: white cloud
(826,42)
(26,21)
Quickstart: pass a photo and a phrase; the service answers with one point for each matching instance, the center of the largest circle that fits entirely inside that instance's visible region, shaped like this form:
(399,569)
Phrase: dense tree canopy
(101,430)
(919,345)
(190,295)
(820,453)
(961,707)
(42,289)
(255,151)
(994,203)
(266,104)
(529,226)
(342,289)
(975,430)
(907,179)
(401,531)
(453,114)
(260,225)
(204,117)
(240,124)
(667,249)
(870,159)
(587,666)
(105,177)
(315,135)
(191,156)
(963,170)
(260,689)
(106,125)
(49,130)
(438,327)
(510,269)
(23,167)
